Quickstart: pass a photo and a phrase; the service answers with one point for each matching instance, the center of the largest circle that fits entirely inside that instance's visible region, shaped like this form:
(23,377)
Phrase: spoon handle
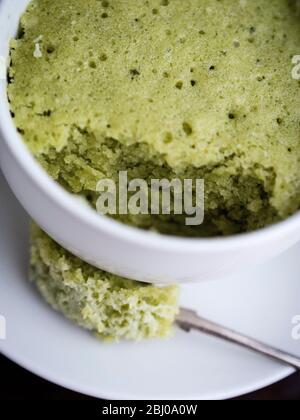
(189,320)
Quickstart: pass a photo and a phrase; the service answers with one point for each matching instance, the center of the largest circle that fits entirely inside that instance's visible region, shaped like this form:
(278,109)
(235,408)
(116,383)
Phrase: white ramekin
(108,244)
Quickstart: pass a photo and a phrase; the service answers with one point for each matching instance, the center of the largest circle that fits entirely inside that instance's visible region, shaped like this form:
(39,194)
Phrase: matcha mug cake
(199,89)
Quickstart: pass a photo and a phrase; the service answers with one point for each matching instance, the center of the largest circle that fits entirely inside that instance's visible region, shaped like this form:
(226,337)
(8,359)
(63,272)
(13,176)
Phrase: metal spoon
(189,320)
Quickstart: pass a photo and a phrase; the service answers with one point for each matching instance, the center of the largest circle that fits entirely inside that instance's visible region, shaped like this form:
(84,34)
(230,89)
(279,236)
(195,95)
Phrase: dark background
(19,385)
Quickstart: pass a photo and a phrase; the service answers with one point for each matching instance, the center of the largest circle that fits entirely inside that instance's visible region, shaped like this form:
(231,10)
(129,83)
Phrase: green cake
(164,89)
(113,307)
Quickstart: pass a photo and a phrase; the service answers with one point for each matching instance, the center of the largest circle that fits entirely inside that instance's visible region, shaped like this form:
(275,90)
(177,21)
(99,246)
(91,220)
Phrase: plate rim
(40,371)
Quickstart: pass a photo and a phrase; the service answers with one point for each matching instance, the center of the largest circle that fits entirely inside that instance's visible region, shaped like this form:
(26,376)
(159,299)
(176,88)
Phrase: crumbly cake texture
(166,88)
(113,307)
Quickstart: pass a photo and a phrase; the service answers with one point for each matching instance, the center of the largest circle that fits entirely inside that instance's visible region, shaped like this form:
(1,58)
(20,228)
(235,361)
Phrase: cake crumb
(37,51)
(112,307)
(2,68)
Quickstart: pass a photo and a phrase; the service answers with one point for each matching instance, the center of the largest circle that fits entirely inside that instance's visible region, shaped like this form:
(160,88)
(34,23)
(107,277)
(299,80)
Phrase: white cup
(108,244)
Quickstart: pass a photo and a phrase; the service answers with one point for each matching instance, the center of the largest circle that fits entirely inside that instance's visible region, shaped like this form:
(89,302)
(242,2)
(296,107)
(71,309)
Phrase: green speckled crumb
(112,307)
(193,88)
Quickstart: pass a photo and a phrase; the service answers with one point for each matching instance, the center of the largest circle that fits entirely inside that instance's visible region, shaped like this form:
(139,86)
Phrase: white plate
(189,366)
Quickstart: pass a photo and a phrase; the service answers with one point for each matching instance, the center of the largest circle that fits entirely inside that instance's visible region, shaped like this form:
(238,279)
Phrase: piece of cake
(113,307)
(165,89)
